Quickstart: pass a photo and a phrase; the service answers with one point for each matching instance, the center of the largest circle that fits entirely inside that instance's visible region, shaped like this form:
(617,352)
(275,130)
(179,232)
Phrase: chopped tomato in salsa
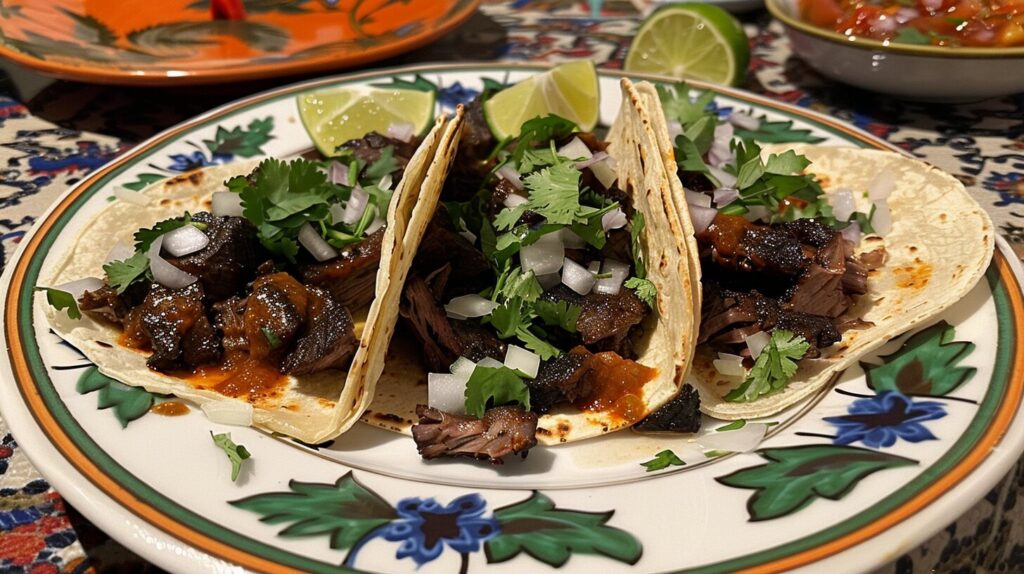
(936,22)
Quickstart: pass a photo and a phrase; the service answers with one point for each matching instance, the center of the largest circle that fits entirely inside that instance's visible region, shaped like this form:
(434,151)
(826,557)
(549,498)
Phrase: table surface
(54,133)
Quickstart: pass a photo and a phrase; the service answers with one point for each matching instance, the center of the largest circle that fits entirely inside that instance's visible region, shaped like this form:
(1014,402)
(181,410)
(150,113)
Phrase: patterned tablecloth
(54,133)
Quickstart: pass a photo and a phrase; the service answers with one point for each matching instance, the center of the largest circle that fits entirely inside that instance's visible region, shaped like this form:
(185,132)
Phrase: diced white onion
(184,240)
(724,178)
(355,207)
(229,412)
(726,195)
(79,286)
(402,131)
(570,240)
(524,361)
(455,316)
(881,220)
(577,277)
(701,217)
(315,244)
(882,185)
(471,306)
(508,173)
(338,173)
(851,233)
(744,121)
(729,365)
(469,235)
(575,149)
(337,211)
(744,439)
(163,272)
(723,134)
(719,154)
(374,225)
(843,204)
(594,267)
(757,213)
(549,280)
(227,204)
(462,367)
(611,285)
(698,198)
(447,392)
(674,129)
(490,363)
(757,342)
(596,158)
(385,182)
(614,219)
(604,171)
(119,252)
(514,200)
(128,196)
(543,256)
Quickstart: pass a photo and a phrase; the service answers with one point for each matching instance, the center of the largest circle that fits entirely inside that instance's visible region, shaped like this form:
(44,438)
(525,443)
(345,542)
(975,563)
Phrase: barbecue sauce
(615,386)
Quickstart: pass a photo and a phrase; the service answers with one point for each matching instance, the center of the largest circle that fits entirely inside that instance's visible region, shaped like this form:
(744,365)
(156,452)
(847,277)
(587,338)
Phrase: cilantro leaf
(662,460)
(145,237)
(507,318)
(495,387)
(62,301)
(688,157)
(591,229)
(236,452)
(534,343)
(384,165)
(678,105)
(509,216)
(516,283)
(121,274)
(272,339)
(644,289)
(786,163)
(558,314)
(550,127)
(555,192)
(774,367)
(702,133)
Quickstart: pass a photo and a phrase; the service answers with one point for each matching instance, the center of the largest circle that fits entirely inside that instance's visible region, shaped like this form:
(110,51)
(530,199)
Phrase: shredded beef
(352,276)
(503,431)
(106,303)
(605,320)
(229,261)
(173,323)
(560,380)
(274,315)
(681,414)
(329,340)
(470,272)
(370,147)
(228,317)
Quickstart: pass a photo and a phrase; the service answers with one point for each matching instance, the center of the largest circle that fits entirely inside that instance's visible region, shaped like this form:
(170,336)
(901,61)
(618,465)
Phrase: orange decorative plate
(179,42)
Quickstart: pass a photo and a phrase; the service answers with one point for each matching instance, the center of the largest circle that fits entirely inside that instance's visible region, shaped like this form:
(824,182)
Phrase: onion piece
(119,252)
(757,213)
(447,392)
(881,220)
(744,121)
(462,367)
(228,412)
(612,285)
(469,235)
(725,195)
(851,233)
(604,171)
(594,267)
(337,211)
(338,173)
(882,185)
(490,363)
(471,305)
(575,150)
(614,219)
(385,182)
(356,205)
(674,129)
(843,204)
(719,154)
(724,178)
(315,244)
(508,173)
(227,204)
(596,158)
(757,342)
(519,359)
(544,255)
(402,131)
(79,286)
(730,365)
(374,225)
(163,272)
(701,217)
(744,439)
(577,277)
(514,200)
(549,280)
(570,240)
(698,198)
(185,240)
(128,196)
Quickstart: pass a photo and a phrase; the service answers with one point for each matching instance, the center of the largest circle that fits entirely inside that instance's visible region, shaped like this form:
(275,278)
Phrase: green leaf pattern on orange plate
(926,364)
(796,476)
(128,403)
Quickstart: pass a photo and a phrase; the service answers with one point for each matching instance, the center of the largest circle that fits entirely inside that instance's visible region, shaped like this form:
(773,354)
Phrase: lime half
(691,41)
(569,90)
(334,117)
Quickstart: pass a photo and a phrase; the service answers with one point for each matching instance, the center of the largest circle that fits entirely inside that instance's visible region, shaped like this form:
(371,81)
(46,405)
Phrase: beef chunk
(605,320)
(476,342)
(819,292)
(470,272)
(173,323)
(228,317)
(370,147)
(329,340)
(736,244)
(559,380)
(809,231)
(229,262)
(503,431)
(274,315)
(106,303)
(352,276)
(681,414)
(475,146)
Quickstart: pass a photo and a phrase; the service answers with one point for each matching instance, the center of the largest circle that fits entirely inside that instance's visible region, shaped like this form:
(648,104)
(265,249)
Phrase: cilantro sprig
(663,460)
(774,367)
(236,453)
(62,301)
(493,387)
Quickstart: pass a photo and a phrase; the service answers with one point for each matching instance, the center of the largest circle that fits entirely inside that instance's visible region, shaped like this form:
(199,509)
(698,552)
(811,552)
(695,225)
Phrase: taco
(265,291)
(811,256)
(551,299)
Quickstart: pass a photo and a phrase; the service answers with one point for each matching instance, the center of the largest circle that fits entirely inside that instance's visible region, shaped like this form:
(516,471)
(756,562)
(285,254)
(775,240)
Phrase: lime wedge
(569,90)
(691,41)
(336,116)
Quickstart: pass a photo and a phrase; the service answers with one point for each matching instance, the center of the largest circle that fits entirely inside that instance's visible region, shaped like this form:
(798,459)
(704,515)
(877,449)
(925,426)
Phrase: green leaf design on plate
(778,132)
(172,40)
(345,510)
(798,475)
(144,179)
(552,535)
(926,364)
(129,403)
(246,142)
(419,83)
(89,29)
(492,85)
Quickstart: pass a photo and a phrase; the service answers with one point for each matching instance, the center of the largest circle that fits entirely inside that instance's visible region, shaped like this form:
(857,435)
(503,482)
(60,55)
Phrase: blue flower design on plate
(456,94)
(195,160)
(881,420)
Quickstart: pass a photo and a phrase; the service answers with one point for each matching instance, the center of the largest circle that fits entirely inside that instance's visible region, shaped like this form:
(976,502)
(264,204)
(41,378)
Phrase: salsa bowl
(918,72)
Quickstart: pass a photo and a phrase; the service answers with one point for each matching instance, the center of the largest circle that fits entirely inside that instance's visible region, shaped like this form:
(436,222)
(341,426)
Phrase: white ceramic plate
(847,481)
